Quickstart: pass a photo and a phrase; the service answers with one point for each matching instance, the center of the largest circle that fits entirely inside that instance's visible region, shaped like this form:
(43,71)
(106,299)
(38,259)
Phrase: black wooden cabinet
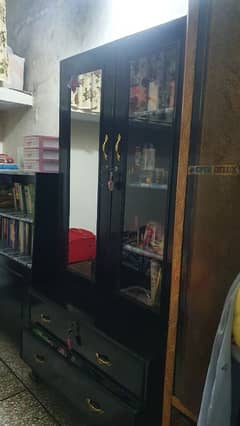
(120,107)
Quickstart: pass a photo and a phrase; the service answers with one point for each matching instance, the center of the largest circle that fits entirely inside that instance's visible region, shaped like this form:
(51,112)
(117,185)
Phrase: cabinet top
(172,30)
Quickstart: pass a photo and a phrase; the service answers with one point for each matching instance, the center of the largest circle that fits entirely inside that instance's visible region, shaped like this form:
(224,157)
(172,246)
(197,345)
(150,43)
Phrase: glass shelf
(16,215)
(143,252)
(141,296)
(91,117)
(16,172)
(147,118)
(17,257)
(162,187)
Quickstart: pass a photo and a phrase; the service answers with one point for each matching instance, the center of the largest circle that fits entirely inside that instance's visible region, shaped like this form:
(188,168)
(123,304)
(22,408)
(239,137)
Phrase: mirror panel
(84,165)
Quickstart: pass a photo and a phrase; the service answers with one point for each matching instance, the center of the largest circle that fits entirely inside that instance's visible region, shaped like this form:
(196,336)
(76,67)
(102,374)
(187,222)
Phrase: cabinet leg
(34,376)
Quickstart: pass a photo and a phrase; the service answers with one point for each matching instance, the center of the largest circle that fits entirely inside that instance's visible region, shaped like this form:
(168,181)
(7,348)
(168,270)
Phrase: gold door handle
(45,318)
(118,155)
(103,360)
(106,139)
(94,406)
(40,359)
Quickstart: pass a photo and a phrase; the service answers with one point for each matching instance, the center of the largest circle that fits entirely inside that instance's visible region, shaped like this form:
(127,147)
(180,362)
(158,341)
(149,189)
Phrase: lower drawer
(123,366)
(98,405)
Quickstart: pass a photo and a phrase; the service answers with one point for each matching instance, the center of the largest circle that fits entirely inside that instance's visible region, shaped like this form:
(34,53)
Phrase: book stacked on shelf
(24,198)
(16,221)
(16,235)
(6,196)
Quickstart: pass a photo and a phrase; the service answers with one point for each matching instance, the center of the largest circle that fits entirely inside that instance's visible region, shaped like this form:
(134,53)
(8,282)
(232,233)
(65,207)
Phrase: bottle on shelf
(138,157)
(153,96)
(151,157)
(145,158)
(148,164)
(137,161)
(171,93)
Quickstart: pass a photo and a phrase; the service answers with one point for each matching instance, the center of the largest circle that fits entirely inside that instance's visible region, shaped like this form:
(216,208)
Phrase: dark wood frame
(194,81)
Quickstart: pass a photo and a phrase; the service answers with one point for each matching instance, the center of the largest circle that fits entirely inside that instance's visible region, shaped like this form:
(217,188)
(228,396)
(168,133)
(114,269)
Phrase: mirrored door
(89,147)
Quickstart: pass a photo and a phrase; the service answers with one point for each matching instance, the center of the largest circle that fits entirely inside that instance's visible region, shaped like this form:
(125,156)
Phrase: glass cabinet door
(152,87)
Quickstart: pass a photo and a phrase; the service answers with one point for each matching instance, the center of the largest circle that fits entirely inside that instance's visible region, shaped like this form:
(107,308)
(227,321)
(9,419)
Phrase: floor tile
(54,403)
(24,410)
(57,406)
(3,368)
(9,386)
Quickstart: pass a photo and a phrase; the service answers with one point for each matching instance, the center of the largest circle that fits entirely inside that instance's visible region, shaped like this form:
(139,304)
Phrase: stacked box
(41,154)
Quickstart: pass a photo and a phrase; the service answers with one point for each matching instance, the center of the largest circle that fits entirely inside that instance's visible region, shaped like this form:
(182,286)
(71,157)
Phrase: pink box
(41,154)
(49,166)
(38,141)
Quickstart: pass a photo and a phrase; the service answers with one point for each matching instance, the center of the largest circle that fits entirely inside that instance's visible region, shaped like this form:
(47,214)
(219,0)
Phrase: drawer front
(98,405)
(55,320)
(121,365)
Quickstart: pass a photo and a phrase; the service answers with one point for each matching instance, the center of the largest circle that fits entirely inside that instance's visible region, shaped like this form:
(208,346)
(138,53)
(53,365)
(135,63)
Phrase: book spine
(21,237)
(12,234)
(28,200)
(32,196)
(32,238)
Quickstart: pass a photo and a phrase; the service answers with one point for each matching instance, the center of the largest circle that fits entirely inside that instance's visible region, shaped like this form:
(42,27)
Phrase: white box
(15,71)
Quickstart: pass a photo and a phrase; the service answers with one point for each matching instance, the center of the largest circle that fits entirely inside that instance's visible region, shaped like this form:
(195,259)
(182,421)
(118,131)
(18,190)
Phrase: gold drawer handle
(103,360)
(45,318)
(106,139)
(94,406)
(118,155)
(40,359)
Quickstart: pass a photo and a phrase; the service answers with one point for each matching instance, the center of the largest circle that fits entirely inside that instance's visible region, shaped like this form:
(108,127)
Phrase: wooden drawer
(98,405)
(120,364)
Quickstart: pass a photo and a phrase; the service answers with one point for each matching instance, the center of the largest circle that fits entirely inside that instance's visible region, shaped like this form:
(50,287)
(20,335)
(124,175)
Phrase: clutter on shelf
(7,162)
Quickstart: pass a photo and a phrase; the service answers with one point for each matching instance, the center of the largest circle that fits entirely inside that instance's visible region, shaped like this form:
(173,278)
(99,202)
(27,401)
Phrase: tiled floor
(24,402)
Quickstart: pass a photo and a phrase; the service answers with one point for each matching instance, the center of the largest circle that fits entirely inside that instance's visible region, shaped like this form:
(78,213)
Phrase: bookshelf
(16,215)
(24,231)
(17,201)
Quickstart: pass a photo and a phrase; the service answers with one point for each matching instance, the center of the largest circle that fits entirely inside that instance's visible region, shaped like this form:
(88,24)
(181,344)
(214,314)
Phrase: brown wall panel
(212,228)
(178,419)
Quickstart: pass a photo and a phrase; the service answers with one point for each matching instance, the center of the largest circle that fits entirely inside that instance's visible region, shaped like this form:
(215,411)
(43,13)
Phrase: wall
(44,33)
(84,175)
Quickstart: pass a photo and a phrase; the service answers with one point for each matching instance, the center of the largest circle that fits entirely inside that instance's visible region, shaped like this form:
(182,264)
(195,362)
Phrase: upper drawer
(120,364)
(100,407)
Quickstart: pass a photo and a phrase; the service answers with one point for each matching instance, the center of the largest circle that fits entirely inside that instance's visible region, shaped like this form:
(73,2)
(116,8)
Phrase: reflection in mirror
(84,162)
